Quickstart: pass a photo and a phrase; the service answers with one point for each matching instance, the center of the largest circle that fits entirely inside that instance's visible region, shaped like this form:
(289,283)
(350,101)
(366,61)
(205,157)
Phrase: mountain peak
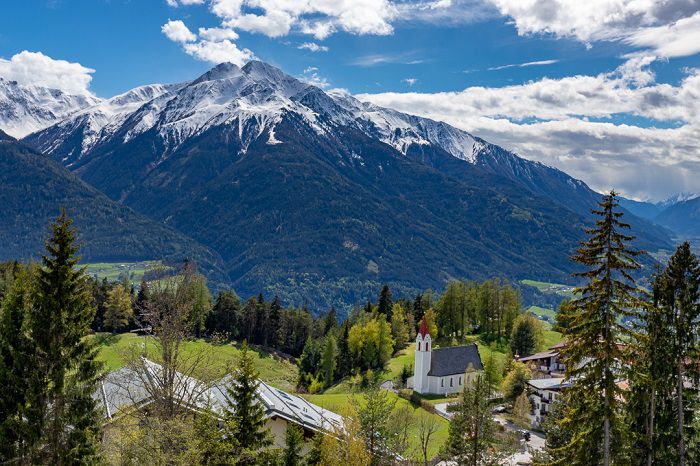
(221,71)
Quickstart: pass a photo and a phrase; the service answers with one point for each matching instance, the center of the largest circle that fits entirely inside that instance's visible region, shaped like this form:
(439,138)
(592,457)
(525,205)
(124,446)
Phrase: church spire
(423,327)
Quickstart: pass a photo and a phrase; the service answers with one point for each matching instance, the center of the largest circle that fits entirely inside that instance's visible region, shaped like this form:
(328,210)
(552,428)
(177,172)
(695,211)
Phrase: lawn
(339,402)
(542,311)
(116,271)
(278,372)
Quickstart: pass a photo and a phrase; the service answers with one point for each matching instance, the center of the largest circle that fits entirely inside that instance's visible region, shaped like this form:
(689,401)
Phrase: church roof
(454,360)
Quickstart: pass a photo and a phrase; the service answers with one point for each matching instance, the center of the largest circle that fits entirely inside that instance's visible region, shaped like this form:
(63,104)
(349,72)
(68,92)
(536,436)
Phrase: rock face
(317,196)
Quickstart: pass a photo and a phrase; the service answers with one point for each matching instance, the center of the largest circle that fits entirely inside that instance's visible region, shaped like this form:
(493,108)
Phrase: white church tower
(421,366)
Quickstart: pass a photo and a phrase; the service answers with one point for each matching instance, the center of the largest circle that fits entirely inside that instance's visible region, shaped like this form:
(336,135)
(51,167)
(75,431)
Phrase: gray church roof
(454,360)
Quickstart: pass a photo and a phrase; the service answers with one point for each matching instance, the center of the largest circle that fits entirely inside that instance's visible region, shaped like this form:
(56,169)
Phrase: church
(444,370)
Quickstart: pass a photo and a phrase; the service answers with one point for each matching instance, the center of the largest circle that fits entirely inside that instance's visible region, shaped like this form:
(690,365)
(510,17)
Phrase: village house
(443,370)
(124,390)
(544,392)
(545,363)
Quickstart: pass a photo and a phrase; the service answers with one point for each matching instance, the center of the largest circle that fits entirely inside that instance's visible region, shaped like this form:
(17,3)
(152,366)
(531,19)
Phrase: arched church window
(418,346)
(427,346)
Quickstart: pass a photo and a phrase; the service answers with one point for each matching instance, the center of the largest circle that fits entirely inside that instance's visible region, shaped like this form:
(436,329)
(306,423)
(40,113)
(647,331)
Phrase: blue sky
(605,90)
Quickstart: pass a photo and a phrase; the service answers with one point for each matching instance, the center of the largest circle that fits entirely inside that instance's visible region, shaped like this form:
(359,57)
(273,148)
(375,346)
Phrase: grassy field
(340,401)
(542,311)
(115,350)
(565,291)
(116,271)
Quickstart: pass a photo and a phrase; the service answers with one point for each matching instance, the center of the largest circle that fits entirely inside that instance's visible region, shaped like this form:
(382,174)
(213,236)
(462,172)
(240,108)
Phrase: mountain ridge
(295,187)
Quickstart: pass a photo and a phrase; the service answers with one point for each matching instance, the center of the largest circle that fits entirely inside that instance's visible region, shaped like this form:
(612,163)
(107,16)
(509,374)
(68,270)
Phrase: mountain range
(314,195)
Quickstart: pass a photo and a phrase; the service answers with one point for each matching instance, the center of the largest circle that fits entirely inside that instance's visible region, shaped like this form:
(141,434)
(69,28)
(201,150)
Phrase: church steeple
(422,357)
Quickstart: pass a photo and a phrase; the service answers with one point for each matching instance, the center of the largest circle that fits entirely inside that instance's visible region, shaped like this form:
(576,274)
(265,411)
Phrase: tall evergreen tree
(245,418)
(596,337)
(385,302)
(62,414)
(678,293)
(472,430)
(15,358)
(328,360)
(294,439)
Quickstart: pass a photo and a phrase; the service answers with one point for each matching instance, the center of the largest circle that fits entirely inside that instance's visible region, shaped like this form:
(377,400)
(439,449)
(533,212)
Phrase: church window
(450,381)
(442,382)
(460,380)
(427,346)
(418,346)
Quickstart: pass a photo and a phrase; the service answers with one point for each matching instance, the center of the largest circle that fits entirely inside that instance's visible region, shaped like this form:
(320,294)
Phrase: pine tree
(373,415)
(344,366)
(678,293)
(245,418)
(294,439)
(472,430)
(385,302)
(62,414)
(330,322)
(526,335)
(328,360)
(596,335)
(15,357)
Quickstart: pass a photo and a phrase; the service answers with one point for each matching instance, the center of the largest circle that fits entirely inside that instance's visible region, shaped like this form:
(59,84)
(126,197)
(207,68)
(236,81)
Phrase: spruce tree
(472,430)
(294,439)
(385,302)
(15,358)
(62,414)
(245,418)
(596,335)
(678,293)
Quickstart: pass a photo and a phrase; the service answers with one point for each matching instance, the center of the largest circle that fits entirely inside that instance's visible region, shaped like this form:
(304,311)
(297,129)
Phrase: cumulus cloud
(177,32)
(215,34)
(569,123)
(218,52)
(35,68)
(313,47)
(661,26)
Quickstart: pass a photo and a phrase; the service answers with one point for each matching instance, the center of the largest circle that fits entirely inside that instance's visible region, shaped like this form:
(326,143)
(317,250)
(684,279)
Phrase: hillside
(319,197)
(35,188)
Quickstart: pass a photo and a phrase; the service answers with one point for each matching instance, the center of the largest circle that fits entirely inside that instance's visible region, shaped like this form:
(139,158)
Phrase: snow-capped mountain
(307,193)
(25,109)
(677,199)
(253,99)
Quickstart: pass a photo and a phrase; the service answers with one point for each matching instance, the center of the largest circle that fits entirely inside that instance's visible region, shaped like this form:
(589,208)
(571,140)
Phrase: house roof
(125,388)
(554,383)
(454,360)
(540,355)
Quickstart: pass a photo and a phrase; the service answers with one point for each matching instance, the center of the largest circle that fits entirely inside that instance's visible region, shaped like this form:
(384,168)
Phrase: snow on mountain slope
(253,99)
(25,109)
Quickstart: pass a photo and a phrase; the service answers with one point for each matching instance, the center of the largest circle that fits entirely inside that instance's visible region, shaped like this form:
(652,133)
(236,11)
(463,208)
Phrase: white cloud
(35,68)
(313,47)
(567,123)
(178,32)
(176,3)
(311,76)
(218,52)
(669,27)
(215,34)
(409,81)
(524,65)
(678,39)
(406,58)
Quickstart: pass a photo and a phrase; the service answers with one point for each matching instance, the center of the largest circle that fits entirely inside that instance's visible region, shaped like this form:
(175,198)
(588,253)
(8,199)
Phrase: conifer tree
(373,416)
(385,302)
(678,294)
(472,430)
(344,365)
(245,418)
(15,357)
(328,360)
(62,414)
(595,337)
(294,439)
